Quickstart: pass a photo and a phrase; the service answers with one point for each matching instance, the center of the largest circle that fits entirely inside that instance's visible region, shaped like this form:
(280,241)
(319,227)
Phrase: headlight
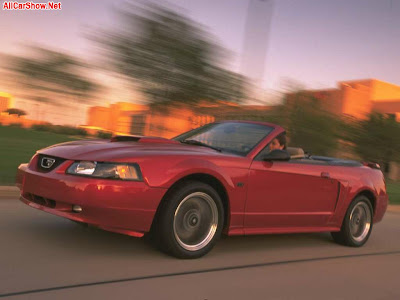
(124,171)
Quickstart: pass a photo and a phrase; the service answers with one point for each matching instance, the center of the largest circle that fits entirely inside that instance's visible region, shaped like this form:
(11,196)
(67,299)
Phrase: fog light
(76,208)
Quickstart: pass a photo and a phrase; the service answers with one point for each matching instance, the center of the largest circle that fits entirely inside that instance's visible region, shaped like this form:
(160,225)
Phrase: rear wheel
(357,223)
(190,220)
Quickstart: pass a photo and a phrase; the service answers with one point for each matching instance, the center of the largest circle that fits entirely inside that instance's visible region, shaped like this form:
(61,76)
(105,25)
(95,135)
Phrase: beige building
(128,118)
(116,118)
(358,98)
(5,101)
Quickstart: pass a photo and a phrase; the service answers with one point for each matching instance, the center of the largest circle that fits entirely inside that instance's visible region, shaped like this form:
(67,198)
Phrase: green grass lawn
(393,189)
(18,145)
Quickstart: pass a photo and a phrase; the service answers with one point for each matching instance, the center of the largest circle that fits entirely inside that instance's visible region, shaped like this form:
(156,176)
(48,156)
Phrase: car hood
(123,147)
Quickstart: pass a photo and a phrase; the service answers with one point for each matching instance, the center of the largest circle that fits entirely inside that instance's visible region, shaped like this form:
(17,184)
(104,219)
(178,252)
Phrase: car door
(289,194)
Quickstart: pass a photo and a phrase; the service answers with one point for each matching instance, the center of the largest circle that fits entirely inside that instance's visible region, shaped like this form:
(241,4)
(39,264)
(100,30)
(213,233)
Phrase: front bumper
(126,207)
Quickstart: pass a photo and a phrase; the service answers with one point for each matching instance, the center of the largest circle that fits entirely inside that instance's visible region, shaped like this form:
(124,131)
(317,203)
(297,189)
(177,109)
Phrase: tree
(50,76)
(377,139)
(170,58)
(308,125)
(15,111)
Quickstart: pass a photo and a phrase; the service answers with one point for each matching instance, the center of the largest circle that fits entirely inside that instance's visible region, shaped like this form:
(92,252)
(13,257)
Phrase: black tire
(357,223)
(189,221)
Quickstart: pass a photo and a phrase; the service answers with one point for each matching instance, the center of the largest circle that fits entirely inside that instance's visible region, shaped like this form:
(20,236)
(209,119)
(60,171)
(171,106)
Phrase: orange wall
(115,118)
(98,116)
(118,119)
(361,97)
(6,119)
(383,91)
(5,102)
(356,99)
(175,121)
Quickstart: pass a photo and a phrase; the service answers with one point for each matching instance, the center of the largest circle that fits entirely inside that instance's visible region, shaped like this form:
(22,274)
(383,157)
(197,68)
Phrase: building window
(138,122)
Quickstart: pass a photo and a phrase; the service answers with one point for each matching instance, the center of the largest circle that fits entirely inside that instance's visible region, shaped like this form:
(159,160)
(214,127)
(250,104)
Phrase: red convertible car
(219,178)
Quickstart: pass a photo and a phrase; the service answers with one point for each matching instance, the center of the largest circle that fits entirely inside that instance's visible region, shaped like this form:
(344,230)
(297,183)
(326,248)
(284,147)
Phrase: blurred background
(327,71)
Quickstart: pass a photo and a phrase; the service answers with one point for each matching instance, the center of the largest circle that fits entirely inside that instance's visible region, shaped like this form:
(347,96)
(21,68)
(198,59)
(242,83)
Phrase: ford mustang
(222,178)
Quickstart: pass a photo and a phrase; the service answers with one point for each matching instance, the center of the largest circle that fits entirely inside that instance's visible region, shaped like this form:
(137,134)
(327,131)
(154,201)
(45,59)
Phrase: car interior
(298,155)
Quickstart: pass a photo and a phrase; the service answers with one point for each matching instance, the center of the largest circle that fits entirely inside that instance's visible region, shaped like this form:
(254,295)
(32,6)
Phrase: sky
(315,42)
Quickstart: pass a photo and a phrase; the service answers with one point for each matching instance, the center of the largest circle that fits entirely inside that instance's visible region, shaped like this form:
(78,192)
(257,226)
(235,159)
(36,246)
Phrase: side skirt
(254,231)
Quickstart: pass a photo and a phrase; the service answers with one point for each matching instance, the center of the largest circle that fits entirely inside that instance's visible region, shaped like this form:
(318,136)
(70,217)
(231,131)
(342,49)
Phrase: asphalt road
(46,257)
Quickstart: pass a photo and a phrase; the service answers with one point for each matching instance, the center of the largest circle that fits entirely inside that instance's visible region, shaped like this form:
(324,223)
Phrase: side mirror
(281,155)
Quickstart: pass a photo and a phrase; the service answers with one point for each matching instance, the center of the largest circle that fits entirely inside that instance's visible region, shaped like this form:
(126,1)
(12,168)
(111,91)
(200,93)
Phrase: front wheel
(190,220)
(357,224)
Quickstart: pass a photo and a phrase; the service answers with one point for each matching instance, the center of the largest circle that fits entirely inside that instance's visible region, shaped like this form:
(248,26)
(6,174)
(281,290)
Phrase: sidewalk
(9,192)
(8,188)
(12,192)
(394,208)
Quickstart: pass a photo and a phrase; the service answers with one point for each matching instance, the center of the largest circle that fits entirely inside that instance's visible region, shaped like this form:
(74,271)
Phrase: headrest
(295,152)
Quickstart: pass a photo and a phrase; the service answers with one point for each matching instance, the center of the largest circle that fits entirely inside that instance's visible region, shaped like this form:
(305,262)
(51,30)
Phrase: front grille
(40,200)
(45,160)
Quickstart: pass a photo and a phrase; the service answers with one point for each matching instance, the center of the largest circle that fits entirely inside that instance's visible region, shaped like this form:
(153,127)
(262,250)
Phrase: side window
(278,142)
(263,152)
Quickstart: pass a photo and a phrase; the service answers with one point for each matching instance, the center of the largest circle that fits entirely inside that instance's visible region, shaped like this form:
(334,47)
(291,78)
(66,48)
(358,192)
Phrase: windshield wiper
(197,143)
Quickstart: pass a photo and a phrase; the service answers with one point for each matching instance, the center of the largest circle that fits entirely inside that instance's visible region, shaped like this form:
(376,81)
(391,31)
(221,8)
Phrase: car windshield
(234,137)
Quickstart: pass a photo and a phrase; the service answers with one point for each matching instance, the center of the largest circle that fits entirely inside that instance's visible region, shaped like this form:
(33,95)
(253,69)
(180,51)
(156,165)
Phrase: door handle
(325,175)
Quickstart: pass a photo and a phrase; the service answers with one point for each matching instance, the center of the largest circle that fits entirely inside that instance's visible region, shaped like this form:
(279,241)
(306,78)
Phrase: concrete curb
(7,188)
(393,208)
(9,192)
